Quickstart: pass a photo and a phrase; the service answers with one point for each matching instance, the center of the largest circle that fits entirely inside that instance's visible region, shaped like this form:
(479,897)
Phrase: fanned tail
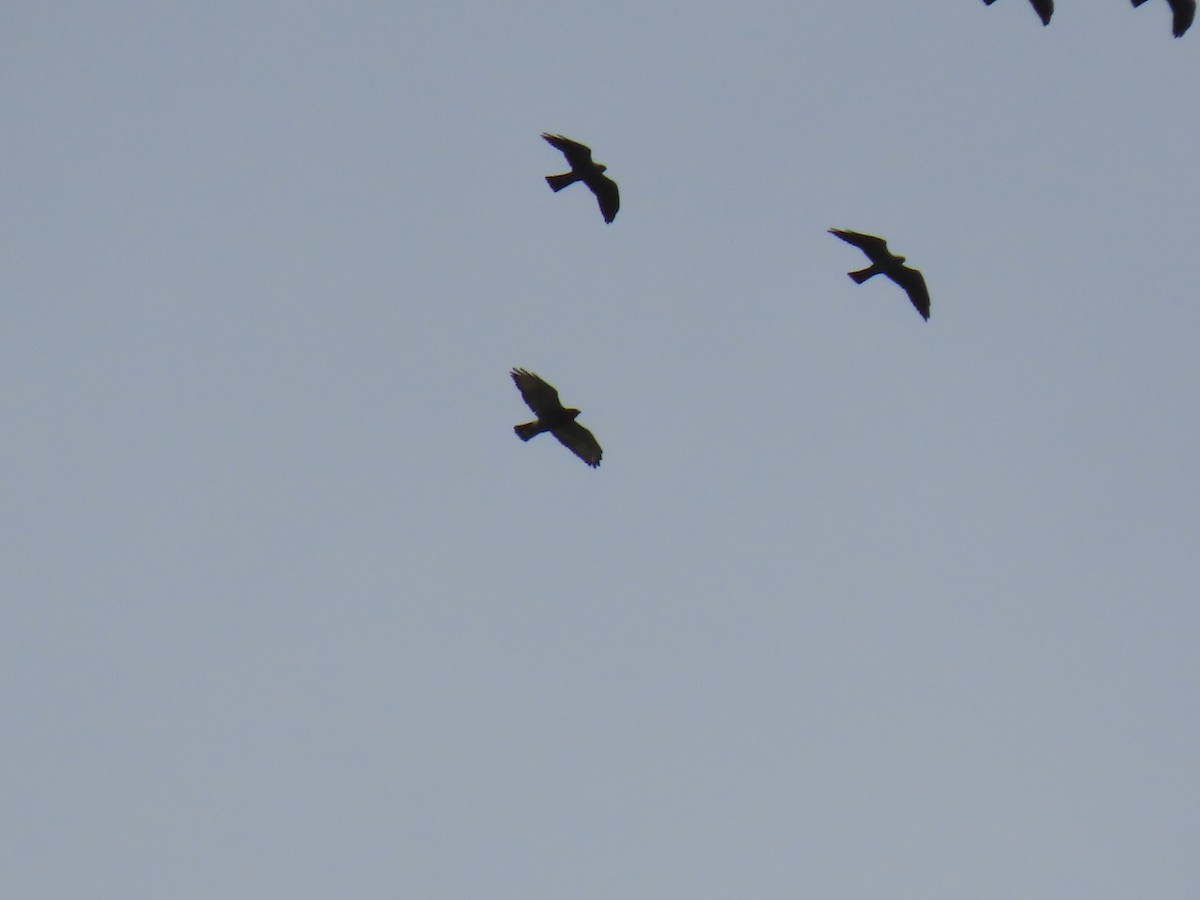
(527,430)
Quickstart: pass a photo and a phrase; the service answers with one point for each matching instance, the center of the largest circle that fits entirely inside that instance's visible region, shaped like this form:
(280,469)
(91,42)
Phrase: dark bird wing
(1185,13)
(579,441)
(1045,8)
(913,283)
(537,394)
(579,156)
(875,247)
(607,195)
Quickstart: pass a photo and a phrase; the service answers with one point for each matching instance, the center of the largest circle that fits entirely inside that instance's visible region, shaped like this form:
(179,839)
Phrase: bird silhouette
(884,262)
(590,173)
(1184,12)
(553,417)
(1044,8)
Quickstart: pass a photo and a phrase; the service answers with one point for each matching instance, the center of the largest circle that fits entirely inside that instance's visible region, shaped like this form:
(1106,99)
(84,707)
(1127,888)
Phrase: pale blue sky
(856,606)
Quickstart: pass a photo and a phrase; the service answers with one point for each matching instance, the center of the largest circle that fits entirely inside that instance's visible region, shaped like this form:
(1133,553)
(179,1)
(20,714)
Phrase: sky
(856,606)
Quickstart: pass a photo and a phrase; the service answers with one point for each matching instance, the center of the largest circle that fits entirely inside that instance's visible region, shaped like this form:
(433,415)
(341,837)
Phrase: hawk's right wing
(537,394)
(577,154)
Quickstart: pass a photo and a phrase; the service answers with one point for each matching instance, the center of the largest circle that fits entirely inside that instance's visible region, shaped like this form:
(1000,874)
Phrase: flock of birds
(542,398)
(1183,12)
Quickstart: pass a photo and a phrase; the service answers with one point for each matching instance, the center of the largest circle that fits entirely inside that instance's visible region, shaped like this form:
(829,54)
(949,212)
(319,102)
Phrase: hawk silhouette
(553,417)
(1044,8)
(590,173)
(884,262)
(1184,12)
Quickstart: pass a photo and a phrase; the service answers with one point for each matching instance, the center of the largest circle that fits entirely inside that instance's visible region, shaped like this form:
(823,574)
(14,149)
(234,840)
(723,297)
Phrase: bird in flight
(1044,8)
(553,417)
(884,262)
(590,173)
(1185,12)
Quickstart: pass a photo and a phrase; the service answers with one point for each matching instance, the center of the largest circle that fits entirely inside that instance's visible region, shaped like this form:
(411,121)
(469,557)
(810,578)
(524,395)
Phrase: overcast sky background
(856,606)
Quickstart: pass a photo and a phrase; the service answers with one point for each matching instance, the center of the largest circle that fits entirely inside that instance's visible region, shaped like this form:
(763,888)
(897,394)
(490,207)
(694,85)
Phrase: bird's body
(884,262)
(1044,8)
(553,417)
(1183,13)
(585,170)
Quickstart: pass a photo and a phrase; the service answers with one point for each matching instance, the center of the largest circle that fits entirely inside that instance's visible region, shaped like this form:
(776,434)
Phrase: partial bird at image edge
(1044,8)
(1183,13)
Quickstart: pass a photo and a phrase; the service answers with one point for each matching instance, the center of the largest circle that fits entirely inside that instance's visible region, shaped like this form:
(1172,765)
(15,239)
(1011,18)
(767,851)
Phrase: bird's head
(900,260)
(572,414)
(601,167)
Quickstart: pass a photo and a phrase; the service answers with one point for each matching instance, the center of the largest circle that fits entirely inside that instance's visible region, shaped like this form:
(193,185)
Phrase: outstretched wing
(579,156)
(913,283)
(607,196)
(875,247)
(579,441)
(537,394)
